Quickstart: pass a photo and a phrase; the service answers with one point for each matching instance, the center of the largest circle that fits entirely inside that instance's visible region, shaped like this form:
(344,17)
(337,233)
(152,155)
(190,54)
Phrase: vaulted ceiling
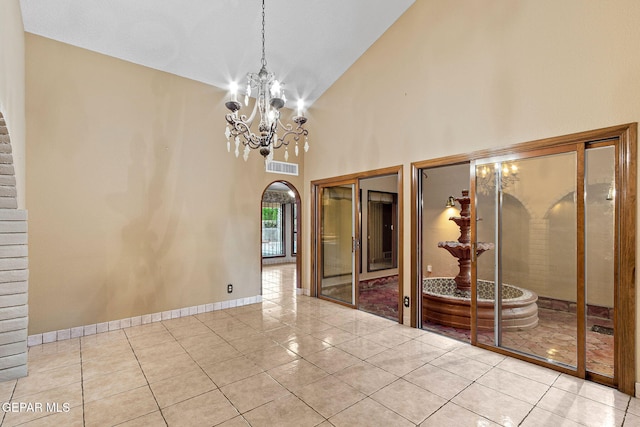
(309,43)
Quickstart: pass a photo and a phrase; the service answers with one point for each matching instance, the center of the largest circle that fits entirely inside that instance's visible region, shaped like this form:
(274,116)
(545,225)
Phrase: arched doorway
(280,238)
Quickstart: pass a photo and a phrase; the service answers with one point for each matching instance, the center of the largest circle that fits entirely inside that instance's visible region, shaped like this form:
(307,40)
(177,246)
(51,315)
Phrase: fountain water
(447,301)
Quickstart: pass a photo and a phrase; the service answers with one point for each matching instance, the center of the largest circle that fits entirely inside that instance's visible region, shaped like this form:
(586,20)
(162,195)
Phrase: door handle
(355,244)
(473,252)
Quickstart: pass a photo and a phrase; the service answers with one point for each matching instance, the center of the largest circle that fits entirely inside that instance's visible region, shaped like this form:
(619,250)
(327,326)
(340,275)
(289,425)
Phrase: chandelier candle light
(270,98)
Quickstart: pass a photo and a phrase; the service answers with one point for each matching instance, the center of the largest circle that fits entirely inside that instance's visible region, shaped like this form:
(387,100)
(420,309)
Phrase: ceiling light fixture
(270,98)
(487,176)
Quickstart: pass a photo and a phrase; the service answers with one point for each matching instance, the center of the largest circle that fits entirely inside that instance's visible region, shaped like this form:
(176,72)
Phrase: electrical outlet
(229,288)
(407,301)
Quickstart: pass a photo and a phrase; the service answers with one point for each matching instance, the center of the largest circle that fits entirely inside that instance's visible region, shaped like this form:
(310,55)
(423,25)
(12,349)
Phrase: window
(294,229)
(272,230)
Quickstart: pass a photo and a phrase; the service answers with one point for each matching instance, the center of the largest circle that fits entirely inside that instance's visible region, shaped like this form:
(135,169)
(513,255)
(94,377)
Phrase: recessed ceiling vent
(282,168)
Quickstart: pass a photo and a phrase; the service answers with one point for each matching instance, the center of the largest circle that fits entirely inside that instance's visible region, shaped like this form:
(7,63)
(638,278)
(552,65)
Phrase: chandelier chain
(271,132)
(264,58)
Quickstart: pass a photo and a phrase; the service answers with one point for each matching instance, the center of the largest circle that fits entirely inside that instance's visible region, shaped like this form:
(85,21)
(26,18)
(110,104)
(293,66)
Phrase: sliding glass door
(545,239)
(527,280)
(546,258)
(339,242)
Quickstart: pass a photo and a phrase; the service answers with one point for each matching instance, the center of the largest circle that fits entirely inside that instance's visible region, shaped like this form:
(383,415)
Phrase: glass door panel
(338,243)
(600,210)
(530,206)
(486,205)
(445,248)
(539,257)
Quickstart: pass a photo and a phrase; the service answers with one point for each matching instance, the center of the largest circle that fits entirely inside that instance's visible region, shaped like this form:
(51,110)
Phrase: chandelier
(486,177)
(270,98)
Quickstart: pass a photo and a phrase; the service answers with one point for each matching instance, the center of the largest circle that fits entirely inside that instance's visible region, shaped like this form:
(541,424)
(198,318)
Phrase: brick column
(13,293)
(538,253)
(14,270)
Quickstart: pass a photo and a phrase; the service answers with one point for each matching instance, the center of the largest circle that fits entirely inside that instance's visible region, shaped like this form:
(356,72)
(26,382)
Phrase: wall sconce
(451,202)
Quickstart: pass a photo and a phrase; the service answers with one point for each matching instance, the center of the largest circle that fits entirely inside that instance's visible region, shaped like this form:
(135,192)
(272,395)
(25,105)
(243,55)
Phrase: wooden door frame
(626,179)
(315,217)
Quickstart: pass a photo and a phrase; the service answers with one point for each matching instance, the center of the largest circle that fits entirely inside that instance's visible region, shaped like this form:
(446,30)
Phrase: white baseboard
(96,328)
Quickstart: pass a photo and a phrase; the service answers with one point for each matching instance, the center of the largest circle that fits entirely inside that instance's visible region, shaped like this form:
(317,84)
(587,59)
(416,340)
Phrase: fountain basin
(445,304)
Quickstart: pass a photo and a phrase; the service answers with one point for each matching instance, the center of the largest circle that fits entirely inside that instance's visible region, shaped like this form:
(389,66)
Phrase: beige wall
(135,205)
(12,86)
(459,76)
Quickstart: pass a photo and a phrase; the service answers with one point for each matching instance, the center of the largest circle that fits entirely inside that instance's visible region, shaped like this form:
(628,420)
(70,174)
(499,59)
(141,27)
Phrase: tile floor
(554,338)
(296,361)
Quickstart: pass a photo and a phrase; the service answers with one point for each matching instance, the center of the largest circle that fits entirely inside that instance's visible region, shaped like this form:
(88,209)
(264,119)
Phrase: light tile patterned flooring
(297,361)
(554,338)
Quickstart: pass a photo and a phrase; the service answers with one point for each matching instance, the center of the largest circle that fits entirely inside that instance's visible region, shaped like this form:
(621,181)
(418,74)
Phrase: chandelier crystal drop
(270,98)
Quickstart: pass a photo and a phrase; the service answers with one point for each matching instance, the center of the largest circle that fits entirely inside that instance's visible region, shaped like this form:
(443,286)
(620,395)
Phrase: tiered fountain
(447,301)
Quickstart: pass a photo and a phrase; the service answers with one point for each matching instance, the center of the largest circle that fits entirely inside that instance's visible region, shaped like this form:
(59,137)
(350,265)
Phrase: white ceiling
(309,43)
